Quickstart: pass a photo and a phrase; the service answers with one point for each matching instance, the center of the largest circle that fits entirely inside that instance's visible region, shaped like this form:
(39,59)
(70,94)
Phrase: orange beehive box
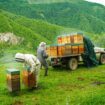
(61,50)
(48,50)
(53,51)
(72,38)
(59,40)
(78,38)
(27,79)
(75,49)
(67,49)
(81,48)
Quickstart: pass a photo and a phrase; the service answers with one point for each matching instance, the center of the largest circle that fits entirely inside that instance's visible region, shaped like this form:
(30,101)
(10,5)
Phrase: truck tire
(102,59)
(73,64)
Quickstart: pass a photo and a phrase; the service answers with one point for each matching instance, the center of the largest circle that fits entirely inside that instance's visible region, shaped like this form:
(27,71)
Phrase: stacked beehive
(52,50)
(71,44)
(13,80)
(67,45)
(28,79)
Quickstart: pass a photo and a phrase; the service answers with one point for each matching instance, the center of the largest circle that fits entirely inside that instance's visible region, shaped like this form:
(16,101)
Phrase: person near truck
(31,62)
(42,56)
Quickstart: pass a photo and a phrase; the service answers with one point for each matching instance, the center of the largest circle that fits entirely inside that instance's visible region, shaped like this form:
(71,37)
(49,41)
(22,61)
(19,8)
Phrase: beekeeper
(42,56)
(31,62)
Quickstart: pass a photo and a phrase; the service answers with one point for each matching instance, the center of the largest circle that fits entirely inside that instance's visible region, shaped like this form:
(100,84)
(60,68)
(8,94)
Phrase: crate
(61,50)
(68,39)
(81,49)
(48,50)
(68,50)
(28,80)
(75,49)
(59,40)
(53,51)
(13,80)
(64,40)
(78,39)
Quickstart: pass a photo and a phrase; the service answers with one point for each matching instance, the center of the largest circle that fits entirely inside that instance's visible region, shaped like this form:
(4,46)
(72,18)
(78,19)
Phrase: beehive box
(28,80)
(68,39)
(72,38)
(13,80)
(48,50)
(81,48)
(53,50)
(59,39)
(61,50)
(78,38)
(64,39)
(68,50)
(75,49)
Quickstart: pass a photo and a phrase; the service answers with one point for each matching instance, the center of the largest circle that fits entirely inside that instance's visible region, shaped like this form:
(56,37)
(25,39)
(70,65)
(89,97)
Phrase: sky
(97,1)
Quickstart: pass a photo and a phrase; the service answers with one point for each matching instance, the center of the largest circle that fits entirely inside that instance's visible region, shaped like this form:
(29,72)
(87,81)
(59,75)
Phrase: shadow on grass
(64,68)
(23,91)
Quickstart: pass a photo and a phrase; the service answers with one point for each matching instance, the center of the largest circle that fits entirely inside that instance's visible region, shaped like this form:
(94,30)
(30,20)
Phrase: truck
(68,51)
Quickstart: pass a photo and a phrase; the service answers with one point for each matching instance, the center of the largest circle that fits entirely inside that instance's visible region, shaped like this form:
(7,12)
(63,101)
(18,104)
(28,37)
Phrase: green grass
(61,87)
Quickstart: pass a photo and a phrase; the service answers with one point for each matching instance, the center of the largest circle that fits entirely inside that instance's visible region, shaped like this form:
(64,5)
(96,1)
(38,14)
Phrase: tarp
(89,56)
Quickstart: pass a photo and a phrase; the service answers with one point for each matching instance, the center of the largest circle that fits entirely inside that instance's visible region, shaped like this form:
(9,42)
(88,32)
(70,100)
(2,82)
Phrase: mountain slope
(74,14)
(33,31)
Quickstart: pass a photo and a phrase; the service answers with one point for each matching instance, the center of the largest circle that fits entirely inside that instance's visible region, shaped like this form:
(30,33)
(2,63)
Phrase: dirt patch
(97,83)
(70,87)
(81,78)
(17,103)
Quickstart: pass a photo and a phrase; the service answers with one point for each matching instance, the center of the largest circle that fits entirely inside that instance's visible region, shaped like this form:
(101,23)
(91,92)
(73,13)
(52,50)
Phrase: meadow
(84,86)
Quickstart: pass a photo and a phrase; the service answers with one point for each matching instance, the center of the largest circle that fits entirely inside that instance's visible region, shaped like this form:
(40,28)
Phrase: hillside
(32,30)
(79,14)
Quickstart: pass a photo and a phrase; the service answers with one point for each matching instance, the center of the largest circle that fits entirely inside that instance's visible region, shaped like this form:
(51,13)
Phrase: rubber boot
(46,72)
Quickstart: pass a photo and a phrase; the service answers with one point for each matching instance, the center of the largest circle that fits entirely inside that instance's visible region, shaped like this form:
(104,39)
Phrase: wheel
(102,59)
(73,64)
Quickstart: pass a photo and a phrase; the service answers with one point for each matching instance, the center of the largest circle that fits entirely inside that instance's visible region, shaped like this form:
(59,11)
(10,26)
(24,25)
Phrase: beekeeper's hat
(19,57)
(42,44)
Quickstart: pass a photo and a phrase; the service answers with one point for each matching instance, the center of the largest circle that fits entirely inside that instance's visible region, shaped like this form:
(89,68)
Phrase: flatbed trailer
(68,51)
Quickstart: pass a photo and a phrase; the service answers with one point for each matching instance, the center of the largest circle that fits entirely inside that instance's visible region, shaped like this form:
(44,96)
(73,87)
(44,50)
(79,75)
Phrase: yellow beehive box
(68,39)
(64,40)
(59,50)
(53,51)
(75,49)
(67,49)
(48,50)
(78,38)
(81,48)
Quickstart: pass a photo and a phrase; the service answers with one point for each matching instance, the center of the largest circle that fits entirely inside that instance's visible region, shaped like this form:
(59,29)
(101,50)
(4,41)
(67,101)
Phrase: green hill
(79,14)
(33,31)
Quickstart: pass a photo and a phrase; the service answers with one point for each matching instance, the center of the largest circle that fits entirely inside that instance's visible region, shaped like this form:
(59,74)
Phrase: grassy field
(62,87)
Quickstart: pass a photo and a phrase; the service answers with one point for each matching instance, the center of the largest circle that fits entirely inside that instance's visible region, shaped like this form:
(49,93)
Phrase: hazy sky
(98,1)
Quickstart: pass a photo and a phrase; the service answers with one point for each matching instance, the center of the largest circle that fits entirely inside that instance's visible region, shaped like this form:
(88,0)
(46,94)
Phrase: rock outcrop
(10,38)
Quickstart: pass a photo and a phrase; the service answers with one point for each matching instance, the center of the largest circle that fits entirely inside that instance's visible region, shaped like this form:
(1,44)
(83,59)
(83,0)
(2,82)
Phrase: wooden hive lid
(13,71)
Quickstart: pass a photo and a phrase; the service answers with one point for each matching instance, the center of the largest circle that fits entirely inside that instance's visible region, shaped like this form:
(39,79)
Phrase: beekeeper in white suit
(32,62)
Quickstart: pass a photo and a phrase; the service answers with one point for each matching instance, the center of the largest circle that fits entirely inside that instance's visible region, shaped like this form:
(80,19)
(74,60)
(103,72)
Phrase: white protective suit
(31,61)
